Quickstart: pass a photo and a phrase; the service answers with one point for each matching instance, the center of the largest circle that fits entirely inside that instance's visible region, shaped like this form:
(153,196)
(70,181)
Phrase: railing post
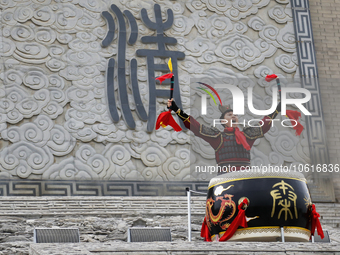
(189,213)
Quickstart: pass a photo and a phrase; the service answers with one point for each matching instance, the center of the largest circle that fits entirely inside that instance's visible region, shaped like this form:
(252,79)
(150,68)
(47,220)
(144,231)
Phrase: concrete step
(187,248)
(90,205)
(118,205)
(106,220)
(318,194)
(32,207)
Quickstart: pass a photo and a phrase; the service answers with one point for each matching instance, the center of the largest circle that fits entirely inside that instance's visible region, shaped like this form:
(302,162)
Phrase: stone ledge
(176,248)
(36,207)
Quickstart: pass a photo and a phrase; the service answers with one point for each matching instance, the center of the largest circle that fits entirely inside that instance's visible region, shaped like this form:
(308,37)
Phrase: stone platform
(103,223)
(185,248)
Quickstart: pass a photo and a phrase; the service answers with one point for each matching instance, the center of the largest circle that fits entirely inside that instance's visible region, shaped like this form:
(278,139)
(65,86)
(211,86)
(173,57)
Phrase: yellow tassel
(170,65)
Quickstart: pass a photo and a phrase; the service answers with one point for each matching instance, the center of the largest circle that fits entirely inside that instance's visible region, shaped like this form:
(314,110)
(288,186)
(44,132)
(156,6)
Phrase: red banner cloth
(164,77)
(165,119)
(270,77)
(295,115)
(205,231)
(240,220)
(316,223)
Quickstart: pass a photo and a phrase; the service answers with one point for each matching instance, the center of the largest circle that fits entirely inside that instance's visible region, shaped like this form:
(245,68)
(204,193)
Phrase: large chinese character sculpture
(159,26)
(122,89)
(151,54)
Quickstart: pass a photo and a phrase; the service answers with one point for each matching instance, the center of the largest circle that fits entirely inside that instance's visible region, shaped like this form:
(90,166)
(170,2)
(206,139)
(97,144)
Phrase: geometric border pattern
(97,188)
(309,77)
(316,131)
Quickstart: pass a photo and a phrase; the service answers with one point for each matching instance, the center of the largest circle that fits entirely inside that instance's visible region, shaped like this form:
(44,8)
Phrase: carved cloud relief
(54,117)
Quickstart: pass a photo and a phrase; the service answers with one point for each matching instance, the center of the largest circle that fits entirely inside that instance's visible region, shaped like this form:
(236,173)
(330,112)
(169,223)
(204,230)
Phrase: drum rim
(260,229)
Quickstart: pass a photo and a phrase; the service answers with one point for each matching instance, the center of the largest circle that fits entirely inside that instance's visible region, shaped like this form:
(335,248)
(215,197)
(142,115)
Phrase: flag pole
(279,87)
(292,115)
(165,118)
(172,87)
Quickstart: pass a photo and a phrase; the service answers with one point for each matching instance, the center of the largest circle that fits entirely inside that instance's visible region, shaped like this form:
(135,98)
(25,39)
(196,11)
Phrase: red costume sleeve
(195,127)
(267,123)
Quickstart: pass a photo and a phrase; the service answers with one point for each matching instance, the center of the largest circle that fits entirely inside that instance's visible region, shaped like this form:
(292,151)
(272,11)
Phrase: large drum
(275,200)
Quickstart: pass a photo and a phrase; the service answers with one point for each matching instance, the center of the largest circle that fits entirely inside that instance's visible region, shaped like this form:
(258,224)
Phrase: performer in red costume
(232,146)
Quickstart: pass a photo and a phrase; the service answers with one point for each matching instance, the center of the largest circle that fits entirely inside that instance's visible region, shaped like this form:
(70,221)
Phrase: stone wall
(55,120)
(103,222)
(326,22)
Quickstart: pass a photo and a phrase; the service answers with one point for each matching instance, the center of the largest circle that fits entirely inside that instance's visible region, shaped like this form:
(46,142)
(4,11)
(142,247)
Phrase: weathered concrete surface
(183,248)
(103,221)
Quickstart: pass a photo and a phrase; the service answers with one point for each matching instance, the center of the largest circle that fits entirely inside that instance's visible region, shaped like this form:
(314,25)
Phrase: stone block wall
(325,15)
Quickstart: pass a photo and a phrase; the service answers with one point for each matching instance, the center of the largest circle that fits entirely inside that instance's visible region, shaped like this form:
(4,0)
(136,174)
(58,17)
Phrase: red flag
(271,77)
(164,77)
(205,231)
(240,220)
(295,115)
(316,223)
(165,119)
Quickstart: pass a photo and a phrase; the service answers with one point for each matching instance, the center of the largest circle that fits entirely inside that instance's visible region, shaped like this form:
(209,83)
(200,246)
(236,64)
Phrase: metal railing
(189,209)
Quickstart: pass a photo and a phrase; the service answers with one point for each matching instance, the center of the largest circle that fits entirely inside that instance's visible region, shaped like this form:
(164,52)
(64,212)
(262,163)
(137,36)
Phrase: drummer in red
(232,146)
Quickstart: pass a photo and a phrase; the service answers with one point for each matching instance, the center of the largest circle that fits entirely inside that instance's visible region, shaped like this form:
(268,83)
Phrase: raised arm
(211,135)
(252,133)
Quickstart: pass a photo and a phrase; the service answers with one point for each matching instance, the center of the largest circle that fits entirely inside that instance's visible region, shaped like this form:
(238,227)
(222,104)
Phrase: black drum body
(275,201)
